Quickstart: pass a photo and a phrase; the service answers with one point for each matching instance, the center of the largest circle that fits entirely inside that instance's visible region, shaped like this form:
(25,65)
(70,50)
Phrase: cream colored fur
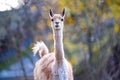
(53,66)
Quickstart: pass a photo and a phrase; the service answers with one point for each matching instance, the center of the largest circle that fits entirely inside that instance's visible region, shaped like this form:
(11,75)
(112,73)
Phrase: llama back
(41,48)
(42,70)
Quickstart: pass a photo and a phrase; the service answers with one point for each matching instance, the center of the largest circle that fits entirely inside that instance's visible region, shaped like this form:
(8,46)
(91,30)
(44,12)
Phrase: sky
(9,4)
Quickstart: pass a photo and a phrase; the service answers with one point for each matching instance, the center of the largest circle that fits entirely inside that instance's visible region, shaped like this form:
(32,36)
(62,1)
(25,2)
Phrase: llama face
(57,20)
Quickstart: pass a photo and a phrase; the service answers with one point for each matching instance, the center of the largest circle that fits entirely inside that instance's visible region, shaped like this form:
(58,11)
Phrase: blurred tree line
(91,28)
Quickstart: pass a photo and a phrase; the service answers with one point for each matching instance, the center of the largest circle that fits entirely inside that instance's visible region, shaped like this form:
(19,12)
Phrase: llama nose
(57,22)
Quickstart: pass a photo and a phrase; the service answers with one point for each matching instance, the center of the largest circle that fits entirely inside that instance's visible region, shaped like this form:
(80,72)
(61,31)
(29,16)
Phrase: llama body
(53,66)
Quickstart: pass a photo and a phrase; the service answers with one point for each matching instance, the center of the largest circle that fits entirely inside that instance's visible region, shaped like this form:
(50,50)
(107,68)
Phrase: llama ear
(63,13)
(51,13)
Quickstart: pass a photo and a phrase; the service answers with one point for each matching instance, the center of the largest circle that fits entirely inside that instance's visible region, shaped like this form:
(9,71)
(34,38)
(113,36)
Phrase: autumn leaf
(116,28)
(73,60)
(33,8)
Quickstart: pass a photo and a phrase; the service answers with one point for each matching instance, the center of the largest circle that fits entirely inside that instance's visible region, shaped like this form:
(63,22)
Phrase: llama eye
(52,19)
(61,19)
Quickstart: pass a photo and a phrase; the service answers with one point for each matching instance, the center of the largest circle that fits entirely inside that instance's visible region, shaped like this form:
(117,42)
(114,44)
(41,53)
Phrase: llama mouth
(57,27)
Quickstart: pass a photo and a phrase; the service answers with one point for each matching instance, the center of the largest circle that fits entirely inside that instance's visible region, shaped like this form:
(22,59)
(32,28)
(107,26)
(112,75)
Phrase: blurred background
(91,36)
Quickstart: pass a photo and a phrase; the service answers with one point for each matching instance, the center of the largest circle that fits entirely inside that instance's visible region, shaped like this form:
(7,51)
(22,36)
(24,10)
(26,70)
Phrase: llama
(53,66)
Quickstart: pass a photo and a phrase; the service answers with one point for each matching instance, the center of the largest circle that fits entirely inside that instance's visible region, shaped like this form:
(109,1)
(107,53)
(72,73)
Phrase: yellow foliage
(74,5)
(31,46)
(73,60)
(80,5)
(109,2)
(116,28)
(80,44)
(70,20)
(38,38)
(95,48)
(62,2)
(48,23)
(99,12)
(83,26)
(116,10)
(104,16)
(33,8)
(108,50)
(86,48)
(117,1)
(50,36)
(68,44)
(104,40)
(40,24)
(46,7)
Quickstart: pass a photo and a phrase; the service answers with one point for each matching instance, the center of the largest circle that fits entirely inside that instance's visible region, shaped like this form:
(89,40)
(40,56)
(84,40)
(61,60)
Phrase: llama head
(57,19)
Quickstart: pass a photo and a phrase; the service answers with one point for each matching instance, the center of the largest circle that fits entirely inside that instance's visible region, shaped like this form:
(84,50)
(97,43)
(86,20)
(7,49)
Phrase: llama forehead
(57,16)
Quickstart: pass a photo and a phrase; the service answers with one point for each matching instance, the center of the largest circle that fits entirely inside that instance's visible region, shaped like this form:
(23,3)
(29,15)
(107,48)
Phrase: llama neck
(58,45)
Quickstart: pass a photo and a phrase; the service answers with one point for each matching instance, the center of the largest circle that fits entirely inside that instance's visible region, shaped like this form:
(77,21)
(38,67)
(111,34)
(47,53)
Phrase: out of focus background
(91,37)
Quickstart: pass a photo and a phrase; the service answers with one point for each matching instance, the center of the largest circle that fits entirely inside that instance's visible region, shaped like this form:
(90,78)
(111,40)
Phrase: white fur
(38,47)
